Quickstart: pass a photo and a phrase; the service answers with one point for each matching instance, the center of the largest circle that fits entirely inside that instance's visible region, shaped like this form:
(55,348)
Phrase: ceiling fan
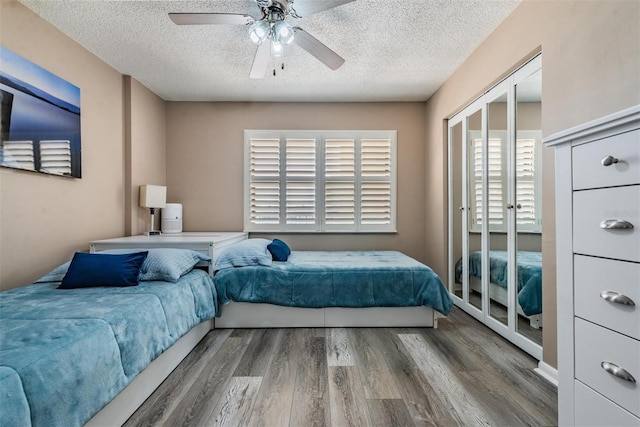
(271,32)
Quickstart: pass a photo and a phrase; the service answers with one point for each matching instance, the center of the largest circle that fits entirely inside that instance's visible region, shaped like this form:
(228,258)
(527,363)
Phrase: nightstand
(208,243)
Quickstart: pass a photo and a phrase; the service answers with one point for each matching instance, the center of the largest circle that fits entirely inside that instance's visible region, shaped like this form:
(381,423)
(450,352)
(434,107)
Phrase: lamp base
(153,233)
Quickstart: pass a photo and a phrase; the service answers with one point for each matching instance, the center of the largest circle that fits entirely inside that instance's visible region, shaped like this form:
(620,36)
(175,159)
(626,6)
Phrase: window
(320,181)
(528,170)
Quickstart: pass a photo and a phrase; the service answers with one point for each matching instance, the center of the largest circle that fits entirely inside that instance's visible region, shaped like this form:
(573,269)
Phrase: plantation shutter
(376,202)
(497,190)
(300,196)
(18,154)
(526,185)
(339,189)
(55,156)
(264,186)
(319,181)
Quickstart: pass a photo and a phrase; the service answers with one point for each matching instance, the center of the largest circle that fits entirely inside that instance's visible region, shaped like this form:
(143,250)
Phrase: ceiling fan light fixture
(284,32)
(259,32)
(277,49)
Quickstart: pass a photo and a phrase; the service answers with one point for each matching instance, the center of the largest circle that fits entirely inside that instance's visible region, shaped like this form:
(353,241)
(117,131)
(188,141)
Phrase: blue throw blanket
(65,354)
(529,275)
(337,279)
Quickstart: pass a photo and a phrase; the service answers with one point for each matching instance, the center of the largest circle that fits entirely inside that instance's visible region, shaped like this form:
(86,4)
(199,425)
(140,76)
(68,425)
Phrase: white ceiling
(395,50)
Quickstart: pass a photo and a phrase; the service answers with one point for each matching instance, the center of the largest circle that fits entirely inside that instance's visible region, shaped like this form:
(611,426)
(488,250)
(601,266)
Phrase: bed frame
(499,295)
(118,411)
(255,315)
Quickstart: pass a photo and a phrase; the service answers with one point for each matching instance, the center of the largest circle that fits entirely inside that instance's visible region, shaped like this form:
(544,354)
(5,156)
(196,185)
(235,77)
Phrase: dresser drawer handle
(617,371)
(615,224)
(616,298)
(608,161)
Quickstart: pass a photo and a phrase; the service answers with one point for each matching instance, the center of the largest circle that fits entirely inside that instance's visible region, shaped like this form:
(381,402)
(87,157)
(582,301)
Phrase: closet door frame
(508,86)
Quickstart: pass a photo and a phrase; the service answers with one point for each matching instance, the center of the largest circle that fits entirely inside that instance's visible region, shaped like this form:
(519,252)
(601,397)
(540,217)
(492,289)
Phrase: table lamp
(152,197)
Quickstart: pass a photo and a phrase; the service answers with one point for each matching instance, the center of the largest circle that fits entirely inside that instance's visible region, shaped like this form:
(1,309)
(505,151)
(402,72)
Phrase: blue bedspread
(65,354)
(337,279)
(529,274)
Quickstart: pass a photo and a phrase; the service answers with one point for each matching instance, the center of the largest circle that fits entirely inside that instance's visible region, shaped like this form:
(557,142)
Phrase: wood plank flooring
(458,374)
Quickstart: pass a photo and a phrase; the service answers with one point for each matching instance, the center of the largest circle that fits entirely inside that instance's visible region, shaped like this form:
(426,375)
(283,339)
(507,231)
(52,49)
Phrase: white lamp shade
(153,196)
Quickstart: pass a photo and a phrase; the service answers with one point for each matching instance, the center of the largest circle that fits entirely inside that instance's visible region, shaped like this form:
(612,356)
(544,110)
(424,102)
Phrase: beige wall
(44,219)
(145,147)
(205,163)
(590,68)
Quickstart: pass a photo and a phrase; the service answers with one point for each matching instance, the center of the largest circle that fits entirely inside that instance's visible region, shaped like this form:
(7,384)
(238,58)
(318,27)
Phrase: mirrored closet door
(495,263)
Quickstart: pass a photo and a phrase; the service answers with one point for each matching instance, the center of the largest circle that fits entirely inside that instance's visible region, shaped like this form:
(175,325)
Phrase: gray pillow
(250,252)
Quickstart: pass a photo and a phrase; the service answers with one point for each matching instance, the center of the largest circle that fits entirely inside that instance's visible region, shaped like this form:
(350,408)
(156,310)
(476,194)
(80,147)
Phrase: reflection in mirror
(528,206)
(457,213)
(474,152)
(497,200)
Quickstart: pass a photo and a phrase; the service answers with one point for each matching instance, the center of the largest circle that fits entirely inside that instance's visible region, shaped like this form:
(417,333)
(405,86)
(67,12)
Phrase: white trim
(547,372)
(118,411)
(623,119)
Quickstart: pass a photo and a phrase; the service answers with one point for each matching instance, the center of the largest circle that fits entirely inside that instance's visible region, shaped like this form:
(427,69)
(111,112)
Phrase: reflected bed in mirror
(40,119)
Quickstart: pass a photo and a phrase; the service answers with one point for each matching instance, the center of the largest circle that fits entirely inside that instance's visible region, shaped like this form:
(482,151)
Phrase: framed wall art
(40,118)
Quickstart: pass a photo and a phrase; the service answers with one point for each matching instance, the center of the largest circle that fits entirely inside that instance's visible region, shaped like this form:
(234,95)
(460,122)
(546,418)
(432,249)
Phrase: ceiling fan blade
(261,61)
(211,18)
(301,8)
(317,49)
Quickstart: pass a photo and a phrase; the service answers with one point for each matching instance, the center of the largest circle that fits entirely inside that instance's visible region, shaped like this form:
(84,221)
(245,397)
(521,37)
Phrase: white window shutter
(55,156)
(264,175)
(375,193)
(300,194)
(18,154)
(320,181)
(339,187)
(526,188)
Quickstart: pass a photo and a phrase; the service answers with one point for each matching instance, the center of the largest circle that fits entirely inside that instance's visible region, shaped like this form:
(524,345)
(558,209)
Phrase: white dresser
(598,271)
(208,243)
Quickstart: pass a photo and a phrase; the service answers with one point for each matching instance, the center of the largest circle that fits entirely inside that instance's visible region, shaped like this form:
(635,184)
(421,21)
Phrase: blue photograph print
(40,115)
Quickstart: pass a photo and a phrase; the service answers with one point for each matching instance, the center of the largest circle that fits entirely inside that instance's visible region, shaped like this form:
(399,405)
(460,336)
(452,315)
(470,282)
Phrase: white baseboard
(547,372)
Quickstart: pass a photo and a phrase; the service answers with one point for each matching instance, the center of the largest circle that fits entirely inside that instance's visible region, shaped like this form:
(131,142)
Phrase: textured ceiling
(395,50)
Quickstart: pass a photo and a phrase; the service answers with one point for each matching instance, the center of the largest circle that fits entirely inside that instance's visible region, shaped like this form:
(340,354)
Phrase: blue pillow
(279,250)
(87,270)
(247,253)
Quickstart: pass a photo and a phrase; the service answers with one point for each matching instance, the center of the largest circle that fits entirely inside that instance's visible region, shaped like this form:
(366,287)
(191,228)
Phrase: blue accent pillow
(87,270)
(280,251)
(250,252)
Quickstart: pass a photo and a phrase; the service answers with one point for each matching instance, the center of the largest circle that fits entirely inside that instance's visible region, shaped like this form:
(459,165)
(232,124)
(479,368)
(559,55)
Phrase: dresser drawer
(591,208)
(592,276)
(589,172)
(593,409)
(594,345)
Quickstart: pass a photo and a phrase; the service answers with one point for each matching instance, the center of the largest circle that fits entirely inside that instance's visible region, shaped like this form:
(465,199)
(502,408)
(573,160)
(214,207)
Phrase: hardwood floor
(458,374)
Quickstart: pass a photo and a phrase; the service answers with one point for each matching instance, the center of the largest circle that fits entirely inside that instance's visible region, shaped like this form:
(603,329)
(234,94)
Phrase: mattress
(316,279)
